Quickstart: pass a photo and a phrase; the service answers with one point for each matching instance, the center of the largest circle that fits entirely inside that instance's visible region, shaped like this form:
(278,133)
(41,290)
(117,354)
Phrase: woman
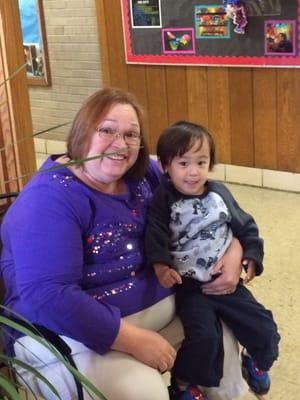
(73,261)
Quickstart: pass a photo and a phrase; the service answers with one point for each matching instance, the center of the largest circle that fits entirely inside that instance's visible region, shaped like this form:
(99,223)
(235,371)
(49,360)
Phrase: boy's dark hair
(179,138)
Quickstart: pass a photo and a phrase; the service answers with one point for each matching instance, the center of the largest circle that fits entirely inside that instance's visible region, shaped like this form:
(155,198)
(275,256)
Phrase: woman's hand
(229,268)
(167,276)
(155,351)
(146,346)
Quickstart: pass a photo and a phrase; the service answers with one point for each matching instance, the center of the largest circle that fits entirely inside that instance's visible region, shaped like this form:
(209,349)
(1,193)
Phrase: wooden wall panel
(219,112)
(176,93)
(241,116)
(137,84)
(265,118)
(253,113)
(103,32)
(197,87)
(288,119)
(296,164)
(114,47)
(15,107)
(157,103)
(8,169)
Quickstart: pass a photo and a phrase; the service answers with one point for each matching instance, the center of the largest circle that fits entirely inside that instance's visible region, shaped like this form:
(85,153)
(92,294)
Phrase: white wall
(74,56)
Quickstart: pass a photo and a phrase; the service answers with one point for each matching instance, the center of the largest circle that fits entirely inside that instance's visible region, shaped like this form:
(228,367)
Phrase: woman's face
(121,156)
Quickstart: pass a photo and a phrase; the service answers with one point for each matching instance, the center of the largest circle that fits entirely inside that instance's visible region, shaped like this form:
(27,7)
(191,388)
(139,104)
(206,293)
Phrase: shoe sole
(259,396)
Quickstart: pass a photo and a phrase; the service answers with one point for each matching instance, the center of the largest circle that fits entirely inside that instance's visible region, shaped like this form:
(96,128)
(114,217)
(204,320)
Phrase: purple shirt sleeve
(48,267)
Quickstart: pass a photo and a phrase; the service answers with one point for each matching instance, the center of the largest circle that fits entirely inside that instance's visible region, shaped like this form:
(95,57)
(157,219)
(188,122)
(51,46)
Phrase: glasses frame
(114,135)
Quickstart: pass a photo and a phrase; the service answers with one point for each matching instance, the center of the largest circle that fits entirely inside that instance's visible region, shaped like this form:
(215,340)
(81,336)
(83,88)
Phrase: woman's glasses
(109,135)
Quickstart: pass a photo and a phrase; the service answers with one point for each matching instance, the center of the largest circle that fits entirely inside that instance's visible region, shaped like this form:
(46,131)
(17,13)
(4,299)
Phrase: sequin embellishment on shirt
(64,180)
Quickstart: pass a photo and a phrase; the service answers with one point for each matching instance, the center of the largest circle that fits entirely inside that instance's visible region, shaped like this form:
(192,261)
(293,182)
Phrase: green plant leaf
(4,148)
(67,164)
(8,389)
(81,161)
(51,128)
(14,361)
(6,321)
(13,74)
(40,339)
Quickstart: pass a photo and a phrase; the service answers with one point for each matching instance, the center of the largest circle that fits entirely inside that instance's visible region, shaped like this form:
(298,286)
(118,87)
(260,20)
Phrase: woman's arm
(43,235)
(230,267)
(146,346)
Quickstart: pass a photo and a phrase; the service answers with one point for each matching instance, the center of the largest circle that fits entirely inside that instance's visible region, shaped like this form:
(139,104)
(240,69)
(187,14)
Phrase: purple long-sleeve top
(73,258)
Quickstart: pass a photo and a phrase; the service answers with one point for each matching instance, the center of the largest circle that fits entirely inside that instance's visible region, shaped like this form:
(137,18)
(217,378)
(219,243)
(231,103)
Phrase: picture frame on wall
(178,41)
(280,37)
(34,42)
(145,13)
(211,22)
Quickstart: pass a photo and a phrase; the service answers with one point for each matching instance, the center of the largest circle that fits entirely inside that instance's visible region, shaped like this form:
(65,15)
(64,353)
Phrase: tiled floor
(277,213)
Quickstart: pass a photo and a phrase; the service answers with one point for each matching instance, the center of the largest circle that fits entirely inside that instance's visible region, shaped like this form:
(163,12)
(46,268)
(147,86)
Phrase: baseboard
(279,180)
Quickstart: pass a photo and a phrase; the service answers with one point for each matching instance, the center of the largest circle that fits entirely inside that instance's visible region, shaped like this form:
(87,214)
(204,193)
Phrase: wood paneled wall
(17,157)
(253,113)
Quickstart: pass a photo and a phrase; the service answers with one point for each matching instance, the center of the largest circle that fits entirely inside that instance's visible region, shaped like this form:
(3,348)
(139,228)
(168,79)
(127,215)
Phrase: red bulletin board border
(196,60)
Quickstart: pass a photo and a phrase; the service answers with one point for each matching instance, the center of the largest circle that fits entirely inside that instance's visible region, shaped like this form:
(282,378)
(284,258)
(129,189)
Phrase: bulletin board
(264,33)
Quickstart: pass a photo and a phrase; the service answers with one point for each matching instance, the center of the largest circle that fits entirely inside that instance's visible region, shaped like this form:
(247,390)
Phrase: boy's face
(190,171)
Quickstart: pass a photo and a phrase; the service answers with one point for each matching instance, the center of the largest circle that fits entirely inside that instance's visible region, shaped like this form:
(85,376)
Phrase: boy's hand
(167,276)
(250,269)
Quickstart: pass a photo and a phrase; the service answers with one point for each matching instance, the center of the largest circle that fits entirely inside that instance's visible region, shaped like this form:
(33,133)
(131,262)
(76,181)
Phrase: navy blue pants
(200,358)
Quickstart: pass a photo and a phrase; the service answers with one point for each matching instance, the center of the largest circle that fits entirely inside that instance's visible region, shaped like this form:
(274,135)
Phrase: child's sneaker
(190,393)
(257,379)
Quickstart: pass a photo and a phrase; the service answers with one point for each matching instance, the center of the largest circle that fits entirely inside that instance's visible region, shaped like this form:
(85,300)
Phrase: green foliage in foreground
(9,387)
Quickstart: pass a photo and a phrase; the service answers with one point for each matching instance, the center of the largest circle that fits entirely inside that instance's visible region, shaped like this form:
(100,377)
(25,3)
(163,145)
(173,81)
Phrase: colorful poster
(178,41)
(145,13)
(211,22)
(280,38)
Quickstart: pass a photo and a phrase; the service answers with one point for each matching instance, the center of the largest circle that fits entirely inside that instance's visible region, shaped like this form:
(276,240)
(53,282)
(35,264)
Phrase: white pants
(120,376)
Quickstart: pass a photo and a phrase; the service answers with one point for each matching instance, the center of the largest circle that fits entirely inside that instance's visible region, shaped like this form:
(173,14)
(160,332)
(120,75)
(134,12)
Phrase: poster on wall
(256,33)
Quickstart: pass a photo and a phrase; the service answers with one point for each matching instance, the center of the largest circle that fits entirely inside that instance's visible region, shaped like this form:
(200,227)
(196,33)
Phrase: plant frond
(8,389)
(14,361)
(13,74)
(80,377)
(67,164)
(4,148)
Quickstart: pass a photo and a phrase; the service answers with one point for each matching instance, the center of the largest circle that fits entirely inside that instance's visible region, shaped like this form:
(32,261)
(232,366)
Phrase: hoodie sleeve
(157,228)
(244,228)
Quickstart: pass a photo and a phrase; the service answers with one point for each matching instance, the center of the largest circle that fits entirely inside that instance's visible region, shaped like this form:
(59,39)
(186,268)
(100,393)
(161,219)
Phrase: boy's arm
(157,229)
(245,229)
